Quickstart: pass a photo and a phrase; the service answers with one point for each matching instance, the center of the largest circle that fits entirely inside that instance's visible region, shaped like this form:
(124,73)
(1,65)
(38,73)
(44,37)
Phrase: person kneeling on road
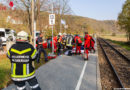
(21,55)
(41,49)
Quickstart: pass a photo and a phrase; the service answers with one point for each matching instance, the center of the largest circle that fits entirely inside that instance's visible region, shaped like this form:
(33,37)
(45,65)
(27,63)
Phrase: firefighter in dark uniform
(41,49)
(59,40)
(21,55)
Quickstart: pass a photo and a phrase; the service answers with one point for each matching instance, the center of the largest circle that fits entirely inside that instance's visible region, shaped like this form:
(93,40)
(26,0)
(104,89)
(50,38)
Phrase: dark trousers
(49,45)
(69,47)
(40,50)
(32,82)
(59,48)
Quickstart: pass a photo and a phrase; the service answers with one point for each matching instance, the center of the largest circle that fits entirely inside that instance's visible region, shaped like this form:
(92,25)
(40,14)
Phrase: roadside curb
(99,87)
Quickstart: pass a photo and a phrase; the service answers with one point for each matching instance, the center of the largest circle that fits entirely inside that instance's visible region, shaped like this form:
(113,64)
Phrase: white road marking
(81,77)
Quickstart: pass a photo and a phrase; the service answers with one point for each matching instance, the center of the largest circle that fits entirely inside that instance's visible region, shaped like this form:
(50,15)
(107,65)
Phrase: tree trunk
(129,37)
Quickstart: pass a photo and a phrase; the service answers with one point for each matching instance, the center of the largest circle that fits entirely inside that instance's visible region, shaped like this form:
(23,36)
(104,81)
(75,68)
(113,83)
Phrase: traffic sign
(51,19)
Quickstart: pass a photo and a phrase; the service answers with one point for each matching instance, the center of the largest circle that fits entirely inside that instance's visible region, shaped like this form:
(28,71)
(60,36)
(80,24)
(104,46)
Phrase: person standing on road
(21,55)
(78,42)
(41,49)
(87,44)
(69,42)
(59,39)
(92,44)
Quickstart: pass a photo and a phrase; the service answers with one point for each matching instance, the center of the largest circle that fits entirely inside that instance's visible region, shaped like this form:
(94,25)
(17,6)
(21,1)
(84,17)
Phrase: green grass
(5,69)
(4,72)
(125,45)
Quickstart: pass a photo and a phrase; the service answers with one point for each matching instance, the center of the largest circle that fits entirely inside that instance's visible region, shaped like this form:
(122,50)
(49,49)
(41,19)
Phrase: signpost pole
(52,23)
(35,34)
(52,34)
(32,36)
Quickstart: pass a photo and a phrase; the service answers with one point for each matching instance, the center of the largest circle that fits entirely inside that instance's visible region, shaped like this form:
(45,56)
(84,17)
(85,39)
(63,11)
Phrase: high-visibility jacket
(64,40)
(21,56)
(86,36)
(59,39)
(55,38)
(77,40)
(87,42)
(92,42)
(69,40)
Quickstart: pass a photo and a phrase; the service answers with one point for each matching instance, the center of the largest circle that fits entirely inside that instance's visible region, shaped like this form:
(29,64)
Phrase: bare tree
(61,8)
(24,8)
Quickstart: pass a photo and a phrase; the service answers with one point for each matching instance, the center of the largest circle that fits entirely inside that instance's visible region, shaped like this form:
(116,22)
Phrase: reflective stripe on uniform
(27,72)
(24,69)
(21,52)
(22,76)
(21,88)
(34,54)
(35,86)
(14,68)
(8,53)
(23,79)
(69,44)
(11,68)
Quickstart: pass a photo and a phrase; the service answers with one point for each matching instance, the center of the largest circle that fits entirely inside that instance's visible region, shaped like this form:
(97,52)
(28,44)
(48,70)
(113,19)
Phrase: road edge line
(81,76)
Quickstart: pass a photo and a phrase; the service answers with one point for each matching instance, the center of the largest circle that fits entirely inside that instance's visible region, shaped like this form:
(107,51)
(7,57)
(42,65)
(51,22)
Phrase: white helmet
(60,34)
(22,35)
(64,34)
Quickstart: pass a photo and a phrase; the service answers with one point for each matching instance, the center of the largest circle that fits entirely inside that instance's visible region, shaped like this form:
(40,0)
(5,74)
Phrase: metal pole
(32,37)
(52,32)
(34,34)
(60,26)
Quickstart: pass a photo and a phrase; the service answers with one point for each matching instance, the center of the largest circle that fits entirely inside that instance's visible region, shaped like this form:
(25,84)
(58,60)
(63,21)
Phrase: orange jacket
(77,39)
(87,42)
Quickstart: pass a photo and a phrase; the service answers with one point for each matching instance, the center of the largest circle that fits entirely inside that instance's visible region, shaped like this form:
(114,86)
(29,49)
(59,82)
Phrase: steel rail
(115,72)
(126,58)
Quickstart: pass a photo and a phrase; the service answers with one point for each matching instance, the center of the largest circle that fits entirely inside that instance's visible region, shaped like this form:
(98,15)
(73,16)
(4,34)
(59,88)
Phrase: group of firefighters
(22,54)
(64,42)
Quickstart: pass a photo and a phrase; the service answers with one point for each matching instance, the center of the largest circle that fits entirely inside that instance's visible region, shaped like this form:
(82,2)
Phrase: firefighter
(21,55)
(92,44)
(87,41)
(55,43)
(69,42)
(59,40)
(41,49)
(78,42)
(64,41)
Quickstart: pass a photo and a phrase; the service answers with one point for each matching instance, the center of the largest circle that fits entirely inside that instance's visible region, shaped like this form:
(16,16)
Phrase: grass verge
(125,45)
(5,69)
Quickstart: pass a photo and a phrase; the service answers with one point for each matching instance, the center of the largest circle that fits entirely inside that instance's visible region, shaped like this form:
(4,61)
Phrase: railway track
(119,63)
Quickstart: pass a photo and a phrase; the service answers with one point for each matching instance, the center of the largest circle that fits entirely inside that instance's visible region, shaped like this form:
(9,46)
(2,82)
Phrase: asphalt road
(67,73)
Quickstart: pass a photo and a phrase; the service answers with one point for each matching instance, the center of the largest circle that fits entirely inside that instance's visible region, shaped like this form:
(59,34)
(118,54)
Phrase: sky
(97,9)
